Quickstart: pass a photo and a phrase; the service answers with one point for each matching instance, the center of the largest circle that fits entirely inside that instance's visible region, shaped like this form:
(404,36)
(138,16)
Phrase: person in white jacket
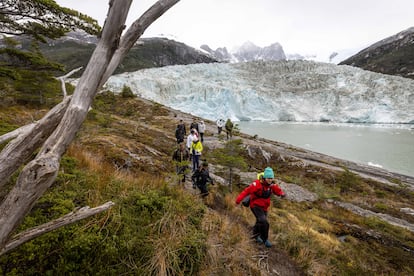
(201,130)
(220,124)
(190,139)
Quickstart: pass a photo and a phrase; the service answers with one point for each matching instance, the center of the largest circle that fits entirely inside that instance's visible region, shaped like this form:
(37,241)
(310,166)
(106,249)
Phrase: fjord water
(388,146)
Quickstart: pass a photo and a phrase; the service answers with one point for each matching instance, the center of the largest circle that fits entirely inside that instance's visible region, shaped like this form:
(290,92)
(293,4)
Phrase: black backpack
(246,201)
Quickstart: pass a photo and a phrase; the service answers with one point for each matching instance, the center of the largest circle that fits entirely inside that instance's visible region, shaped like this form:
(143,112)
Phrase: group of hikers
(256,195)
(191,151)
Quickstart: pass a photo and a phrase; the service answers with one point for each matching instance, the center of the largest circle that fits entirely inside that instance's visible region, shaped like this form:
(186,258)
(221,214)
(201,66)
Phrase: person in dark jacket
(180,132)
(181,157)
(260,191)
(194,125)
(201,177)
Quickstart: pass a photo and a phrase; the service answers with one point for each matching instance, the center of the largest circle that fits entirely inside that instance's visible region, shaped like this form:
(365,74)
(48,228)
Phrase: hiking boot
(259,239)
(268,243)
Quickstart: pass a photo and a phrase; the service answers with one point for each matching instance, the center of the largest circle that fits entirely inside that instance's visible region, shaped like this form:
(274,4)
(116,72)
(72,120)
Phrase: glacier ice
(297,91)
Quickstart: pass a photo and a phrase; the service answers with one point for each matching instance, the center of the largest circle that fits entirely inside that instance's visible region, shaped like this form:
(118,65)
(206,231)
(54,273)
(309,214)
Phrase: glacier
(294,91)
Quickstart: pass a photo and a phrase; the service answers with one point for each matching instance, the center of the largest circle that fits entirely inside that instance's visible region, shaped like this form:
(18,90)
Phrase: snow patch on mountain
(301,91)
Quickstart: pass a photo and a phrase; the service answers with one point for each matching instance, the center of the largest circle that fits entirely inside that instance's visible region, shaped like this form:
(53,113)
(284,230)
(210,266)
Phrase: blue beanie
(268,173)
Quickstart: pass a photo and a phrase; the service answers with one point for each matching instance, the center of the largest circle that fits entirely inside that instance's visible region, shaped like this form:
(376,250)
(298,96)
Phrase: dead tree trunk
(41,172)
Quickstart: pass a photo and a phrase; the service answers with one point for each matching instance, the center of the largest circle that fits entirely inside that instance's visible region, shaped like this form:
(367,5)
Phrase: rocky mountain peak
(248,46)
(248,51)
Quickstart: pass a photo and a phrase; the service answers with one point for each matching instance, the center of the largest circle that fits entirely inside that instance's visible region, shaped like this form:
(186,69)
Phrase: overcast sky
(300,26)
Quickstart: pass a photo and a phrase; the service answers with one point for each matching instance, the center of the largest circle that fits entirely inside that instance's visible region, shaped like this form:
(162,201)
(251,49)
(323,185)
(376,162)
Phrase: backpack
(246,201)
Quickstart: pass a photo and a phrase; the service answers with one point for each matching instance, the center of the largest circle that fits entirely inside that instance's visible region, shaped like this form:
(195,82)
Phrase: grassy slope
(122,153)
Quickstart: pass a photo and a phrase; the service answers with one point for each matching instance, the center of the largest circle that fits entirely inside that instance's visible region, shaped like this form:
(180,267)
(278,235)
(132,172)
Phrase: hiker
(196,149)
(260,191)
(194,124)
(229,128)
(220,125)
(180,132)
(201,177)
(190,139)
(202,129)
(181,156)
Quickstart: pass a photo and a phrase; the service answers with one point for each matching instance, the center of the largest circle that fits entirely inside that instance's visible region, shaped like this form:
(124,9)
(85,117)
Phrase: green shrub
(324,191)
(127,92)
(349,181)
(381,206)
(145,225)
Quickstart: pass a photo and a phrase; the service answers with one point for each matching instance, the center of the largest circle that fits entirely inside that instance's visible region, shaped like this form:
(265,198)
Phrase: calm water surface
(389,147)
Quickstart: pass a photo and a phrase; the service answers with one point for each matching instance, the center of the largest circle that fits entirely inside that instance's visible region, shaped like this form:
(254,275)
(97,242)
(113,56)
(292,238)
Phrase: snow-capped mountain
(302,91)
(247,52)
(251,52)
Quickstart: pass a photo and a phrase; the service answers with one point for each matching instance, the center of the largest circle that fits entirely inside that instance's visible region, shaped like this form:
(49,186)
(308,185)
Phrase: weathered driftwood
(67,219)
(41,172)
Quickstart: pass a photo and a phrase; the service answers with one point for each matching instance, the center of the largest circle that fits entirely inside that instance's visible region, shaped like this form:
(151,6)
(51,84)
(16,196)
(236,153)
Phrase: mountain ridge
(248,51)
(75,49)
(393,55)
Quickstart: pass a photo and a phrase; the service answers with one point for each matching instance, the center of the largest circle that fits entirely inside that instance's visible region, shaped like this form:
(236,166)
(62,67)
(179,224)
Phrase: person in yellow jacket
(196,149)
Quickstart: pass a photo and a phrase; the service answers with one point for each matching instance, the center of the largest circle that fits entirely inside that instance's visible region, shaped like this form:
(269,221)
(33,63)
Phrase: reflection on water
(388,146)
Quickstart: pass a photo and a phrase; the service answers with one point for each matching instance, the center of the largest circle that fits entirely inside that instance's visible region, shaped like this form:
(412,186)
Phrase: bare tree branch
(63,78)
(67,219)
(135,31)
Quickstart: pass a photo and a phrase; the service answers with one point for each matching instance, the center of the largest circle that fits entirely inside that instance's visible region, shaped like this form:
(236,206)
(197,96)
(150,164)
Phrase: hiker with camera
(259,192)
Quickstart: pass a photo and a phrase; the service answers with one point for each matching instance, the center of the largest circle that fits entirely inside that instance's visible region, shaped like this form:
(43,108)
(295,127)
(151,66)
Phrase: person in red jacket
(260,191)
